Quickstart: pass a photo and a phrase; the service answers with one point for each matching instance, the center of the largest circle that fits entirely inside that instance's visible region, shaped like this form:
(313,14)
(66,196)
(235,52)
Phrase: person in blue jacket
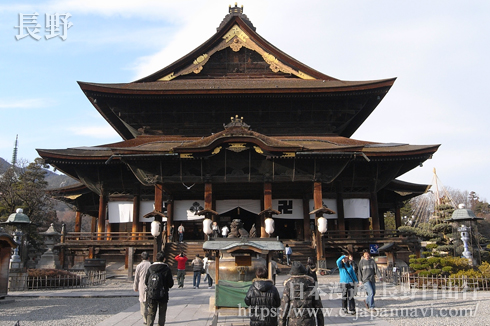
(348,279)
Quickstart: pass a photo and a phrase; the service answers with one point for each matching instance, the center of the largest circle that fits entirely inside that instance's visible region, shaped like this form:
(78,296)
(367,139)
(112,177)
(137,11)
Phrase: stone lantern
(17,219)
(49,260)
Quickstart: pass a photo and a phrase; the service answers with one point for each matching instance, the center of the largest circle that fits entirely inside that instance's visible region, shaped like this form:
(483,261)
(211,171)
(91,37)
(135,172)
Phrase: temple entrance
(248,219)
(288,228)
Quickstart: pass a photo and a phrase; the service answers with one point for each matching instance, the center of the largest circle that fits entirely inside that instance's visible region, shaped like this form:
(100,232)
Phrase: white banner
(182,211)
(251,205)
(120,211)
(357,208)
(146,207)
(289,208)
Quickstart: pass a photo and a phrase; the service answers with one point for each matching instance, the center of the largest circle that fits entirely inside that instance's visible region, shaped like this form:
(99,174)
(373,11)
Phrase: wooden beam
(170,219)
(102,215)
(306,219)
(136,216)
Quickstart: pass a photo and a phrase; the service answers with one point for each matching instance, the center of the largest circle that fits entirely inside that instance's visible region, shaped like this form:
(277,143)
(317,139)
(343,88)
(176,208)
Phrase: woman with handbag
(348,280)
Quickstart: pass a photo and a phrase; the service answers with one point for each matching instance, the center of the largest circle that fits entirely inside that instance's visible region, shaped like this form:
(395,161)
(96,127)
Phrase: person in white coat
(139,283)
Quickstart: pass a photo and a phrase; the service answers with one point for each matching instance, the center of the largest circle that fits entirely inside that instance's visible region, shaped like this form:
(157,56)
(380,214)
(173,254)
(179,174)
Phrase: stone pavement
(190,307)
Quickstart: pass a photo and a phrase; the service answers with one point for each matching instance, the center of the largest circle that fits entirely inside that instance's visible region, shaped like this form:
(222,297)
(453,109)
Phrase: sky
(438,50)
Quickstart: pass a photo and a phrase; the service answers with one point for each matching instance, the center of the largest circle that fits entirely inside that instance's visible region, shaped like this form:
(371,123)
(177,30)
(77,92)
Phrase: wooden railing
(23,282)
(71,237)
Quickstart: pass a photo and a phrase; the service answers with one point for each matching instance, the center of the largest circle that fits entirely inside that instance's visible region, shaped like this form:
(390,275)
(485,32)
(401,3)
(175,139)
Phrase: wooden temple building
(237,127)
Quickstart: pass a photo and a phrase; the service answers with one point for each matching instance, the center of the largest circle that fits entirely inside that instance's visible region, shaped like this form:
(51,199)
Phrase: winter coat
(197,264)
(181,262)
(368,270)
(263,294)
(139,279)
(163,268)
(346,271)
(293,310)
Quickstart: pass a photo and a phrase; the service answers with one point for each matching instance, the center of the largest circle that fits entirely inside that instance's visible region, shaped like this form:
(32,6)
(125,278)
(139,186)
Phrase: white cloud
(99,132)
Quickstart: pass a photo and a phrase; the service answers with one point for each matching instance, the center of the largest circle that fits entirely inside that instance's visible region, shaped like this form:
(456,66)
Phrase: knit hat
(297,268)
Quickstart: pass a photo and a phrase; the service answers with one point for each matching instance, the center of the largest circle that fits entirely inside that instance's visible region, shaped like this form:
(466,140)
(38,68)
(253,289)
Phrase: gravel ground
(56,311)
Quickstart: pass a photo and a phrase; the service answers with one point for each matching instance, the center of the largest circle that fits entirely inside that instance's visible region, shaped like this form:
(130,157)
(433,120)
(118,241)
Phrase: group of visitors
(153,282)
(352,275)
(300,292)
(215,228)
(158,274)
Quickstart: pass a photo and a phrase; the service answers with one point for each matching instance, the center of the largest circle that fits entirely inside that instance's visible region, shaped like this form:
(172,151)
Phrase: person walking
(181,260)
(289,253)
(311,269)
(206,261)
(172,231)
(215,229)
(139,283)
(197,267)
(158,281)
(300,295)
(368,269)
(348,279)
(262,298)
(224,231)
(181,231)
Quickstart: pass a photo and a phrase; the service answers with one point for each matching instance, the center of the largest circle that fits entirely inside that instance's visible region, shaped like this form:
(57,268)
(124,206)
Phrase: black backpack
(155,289)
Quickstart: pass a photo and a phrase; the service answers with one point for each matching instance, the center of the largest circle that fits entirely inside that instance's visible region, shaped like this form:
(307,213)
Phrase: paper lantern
(269,225)
(206,226)
(322,224)
(155,228)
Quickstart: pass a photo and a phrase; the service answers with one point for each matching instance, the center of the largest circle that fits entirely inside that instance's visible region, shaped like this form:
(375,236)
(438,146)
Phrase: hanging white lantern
(155,228)
(269,225)
(322,224)
(206,226)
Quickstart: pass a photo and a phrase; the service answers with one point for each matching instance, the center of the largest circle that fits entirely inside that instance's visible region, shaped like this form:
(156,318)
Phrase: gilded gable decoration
(236,38)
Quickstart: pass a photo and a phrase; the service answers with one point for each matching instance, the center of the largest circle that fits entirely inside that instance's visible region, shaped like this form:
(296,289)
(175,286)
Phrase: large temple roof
(236,71)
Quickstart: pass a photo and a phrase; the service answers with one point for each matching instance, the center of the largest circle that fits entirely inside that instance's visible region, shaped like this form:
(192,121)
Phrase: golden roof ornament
(236,122)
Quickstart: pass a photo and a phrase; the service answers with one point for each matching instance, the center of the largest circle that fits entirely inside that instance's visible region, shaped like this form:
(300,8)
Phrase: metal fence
(22,282)
(460,283)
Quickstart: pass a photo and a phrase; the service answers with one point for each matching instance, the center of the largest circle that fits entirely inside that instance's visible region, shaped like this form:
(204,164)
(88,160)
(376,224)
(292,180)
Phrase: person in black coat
(263,299)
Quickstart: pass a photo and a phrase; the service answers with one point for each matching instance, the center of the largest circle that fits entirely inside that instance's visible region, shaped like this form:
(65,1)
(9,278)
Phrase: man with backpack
(158,281)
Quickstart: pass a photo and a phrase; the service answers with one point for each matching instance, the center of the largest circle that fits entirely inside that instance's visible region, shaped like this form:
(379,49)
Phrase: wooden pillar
(306,219)
(398,216)
(317,199)
(93,225)
(267,204)
(130,252)
(375,211)
(216,268)
(135,227)
(170,219)
(101,217)
(208,198)
(108,230)
(158,208)
(78,221)
(340,209)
